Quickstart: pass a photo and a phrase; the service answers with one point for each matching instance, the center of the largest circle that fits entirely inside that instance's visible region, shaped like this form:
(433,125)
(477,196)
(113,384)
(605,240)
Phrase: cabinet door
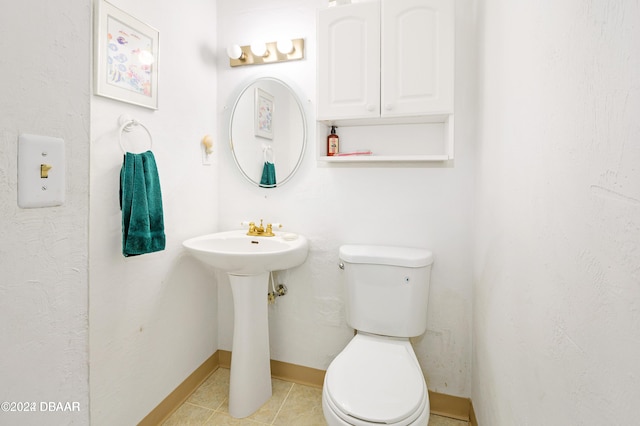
(349,61)
(417,57)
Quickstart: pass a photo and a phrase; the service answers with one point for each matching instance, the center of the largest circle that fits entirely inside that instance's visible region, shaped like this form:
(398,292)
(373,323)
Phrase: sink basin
(237,253)
(248,262)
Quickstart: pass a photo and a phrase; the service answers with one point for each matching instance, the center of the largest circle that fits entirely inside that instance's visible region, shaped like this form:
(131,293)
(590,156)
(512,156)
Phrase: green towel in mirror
(141,205)
(268,175)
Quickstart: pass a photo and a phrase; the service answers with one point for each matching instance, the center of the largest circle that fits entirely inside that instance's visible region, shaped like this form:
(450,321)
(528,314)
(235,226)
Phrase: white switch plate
(34,190)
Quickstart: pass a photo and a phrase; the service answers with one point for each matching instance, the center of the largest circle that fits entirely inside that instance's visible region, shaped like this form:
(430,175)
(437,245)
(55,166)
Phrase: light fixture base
(273,56)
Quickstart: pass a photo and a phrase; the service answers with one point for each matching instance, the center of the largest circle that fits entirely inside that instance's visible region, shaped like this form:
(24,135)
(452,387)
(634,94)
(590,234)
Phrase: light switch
(41,171)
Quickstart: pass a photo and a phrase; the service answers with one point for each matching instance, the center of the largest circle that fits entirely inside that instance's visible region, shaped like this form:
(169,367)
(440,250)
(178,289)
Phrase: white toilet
(376,379)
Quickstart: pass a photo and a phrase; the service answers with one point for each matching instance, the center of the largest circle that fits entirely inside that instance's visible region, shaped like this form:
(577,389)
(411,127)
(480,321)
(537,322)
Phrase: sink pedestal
(247,261)
(250,381)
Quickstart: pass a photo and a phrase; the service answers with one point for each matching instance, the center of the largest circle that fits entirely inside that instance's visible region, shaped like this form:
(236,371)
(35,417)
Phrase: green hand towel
(141,205)
(268,175)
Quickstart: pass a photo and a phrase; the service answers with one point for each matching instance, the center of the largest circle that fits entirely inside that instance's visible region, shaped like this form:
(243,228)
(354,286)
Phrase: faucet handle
(252,227)
(269,231)
(270,226)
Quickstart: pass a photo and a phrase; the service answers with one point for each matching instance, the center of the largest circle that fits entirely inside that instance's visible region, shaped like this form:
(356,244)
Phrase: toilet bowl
(375,380)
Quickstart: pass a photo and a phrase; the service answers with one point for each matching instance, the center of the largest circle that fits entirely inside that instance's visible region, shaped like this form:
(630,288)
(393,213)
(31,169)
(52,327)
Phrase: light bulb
(145,57)
(259,49)
(285,46)
(234,52)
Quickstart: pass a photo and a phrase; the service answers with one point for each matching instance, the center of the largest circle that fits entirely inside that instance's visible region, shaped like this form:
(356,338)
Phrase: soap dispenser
(333,142)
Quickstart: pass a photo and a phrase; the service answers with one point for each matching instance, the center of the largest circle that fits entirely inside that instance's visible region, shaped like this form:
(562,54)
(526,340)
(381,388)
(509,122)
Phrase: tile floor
(291,405)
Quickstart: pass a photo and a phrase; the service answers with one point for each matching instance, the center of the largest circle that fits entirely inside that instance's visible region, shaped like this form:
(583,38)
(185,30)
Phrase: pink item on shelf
(344,154)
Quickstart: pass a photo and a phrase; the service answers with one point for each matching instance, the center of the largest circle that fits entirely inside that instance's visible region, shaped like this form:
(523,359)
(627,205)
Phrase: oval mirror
(268,132)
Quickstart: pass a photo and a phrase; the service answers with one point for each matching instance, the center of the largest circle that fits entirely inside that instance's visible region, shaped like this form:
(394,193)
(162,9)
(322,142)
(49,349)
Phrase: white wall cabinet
(417,57)
(349,61)
(387,62)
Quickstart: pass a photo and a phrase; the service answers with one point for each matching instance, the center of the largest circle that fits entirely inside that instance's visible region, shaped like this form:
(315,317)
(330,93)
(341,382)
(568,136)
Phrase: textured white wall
(153,317)
(557,266)
(45,86)
(426,206)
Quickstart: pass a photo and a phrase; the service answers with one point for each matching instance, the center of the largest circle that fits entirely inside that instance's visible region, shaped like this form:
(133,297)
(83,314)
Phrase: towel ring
(126,125)
(267,153)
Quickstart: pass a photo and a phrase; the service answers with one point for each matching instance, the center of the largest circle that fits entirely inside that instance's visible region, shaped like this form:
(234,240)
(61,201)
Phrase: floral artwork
(264,114)
(126,57)
(129,58)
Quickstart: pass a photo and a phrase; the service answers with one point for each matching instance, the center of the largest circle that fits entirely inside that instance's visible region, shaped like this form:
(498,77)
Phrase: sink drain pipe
(281,290)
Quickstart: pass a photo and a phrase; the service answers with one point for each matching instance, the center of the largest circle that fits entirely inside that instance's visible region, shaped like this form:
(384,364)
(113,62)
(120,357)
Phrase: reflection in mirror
(268,132)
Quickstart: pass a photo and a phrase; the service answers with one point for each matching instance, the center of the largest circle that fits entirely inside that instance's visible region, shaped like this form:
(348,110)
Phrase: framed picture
(264,114)
(126,57)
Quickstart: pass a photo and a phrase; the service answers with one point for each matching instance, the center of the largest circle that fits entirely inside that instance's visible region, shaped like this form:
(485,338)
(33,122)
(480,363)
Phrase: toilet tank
(387,288)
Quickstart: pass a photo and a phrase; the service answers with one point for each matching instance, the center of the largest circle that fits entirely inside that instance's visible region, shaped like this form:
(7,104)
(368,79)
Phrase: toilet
(377,379)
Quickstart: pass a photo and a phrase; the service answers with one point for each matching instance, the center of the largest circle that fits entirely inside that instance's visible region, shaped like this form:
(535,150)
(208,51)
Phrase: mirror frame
(305,131)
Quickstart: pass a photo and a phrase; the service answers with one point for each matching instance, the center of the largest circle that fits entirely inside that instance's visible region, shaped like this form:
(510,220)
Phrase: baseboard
(441,404)
(225,358)
(473,421)
(297,374)
(451,406)
(176,398)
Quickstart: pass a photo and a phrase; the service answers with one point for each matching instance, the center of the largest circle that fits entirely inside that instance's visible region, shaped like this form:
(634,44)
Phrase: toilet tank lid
(386,255)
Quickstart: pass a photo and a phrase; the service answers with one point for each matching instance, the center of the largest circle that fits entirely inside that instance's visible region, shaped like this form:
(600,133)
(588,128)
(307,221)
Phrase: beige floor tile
(268,411)
(220,376)
(224,419)
(213,392)
(291,404)
(188,415)
(445,421)
(302,407)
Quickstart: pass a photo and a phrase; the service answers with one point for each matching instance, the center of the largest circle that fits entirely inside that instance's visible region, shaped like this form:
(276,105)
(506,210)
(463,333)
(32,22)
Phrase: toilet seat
(376,380)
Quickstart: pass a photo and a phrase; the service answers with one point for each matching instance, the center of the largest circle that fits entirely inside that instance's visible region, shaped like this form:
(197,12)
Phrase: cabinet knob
(371,107)
(388,107)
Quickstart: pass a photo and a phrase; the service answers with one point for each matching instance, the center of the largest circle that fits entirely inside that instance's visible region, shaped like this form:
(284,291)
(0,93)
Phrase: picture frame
(263,117)
(126,57)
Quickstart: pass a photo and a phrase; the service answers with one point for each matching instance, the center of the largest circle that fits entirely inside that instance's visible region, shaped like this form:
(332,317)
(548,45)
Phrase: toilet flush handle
(341,265)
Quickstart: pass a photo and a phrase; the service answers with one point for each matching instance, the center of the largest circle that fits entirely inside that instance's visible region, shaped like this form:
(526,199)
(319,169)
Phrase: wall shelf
(397,140)
(384,158)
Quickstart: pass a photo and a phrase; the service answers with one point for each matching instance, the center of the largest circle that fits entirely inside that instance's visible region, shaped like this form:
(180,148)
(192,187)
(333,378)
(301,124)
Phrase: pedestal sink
(248,260)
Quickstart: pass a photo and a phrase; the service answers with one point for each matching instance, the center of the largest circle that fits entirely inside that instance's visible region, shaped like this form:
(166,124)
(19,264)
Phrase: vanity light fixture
(266,53)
